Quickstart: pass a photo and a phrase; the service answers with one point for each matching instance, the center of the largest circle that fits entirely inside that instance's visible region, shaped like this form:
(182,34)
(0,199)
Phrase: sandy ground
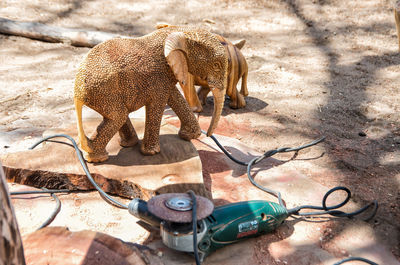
(316,67)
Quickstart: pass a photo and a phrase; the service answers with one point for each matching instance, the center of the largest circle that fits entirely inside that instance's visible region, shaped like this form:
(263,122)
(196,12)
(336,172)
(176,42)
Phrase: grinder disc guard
(166,207)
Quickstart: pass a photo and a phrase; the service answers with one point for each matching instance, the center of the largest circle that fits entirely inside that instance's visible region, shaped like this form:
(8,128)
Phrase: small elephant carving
(237,69)
(123,74)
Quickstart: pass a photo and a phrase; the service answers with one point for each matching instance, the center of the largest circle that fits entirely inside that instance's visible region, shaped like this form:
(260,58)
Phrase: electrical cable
(54,213)
(266,154)
(39,191)
(108,198)
(194,224)
(296,211)
(356,258)
(270,191)
(57,209)
(330,210)
(44,190)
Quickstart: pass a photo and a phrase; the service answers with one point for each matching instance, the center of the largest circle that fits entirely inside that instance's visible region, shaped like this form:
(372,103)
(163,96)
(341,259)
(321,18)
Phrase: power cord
(54,213)
(296,211)
(194,224)
(82,161)
(356,259)
(52,192)
(56,210)
(331,209)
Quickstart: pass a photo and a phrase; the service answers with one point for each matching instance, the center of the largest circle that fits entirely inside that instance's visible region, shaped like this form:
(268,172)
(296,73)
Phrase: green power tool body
(217,227)
(236,221)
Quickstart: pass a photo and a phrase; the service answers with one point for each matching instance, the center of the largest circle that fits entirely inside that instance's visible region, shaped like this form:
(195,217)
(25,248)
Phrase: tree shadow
(344,117)
(74,6)
(252,104)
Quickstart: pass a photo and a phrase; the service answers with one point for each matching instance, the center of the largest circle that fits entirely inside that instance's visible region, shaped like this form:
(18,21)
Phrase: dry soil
(316,68)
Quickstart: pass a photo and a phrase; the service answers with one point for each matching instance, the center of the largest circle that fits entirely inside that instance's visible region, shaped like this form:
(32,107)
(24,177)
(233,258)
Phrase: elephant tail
(83,140)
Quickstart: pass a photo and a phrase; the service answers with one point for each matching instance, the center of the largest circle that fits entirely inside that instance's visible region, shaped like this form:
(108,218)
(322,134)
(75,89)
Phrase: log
(39,31)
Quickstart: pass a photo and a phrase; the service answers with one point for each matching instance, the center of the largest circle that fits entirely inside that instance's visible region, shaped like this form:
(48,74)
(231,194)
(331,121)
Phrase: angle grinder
(216,227)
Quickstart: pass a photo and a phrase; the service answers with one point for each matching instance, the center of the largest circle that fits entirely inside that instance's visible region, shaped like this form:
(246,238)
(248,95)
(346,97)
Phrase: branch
(39,31)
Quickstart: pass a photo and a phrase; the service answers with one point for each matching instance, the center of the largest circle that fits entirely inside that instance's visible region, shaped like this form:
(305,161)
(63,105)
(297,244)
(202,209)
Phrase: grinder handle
(138,208)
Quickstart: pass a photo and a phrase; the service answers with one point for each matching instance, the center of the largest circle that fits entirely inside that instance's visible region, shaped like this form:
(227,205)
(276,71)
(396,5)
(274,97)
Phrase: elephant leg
(237,99)
(202,94)
(190,128)
(128,135)
(233,95)
(151,140)
(241,101)
(234,101)
(99,140)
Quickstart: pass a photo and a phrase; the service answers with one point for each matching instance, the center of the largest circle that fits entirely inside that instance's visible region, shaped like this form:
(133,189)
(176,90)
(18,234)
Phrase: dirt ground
(316,68)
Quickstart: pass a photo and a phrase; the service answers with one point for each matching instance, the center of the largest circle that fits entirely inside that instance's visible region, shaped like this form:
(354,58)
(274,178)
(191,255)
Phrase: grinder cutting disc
(177,207)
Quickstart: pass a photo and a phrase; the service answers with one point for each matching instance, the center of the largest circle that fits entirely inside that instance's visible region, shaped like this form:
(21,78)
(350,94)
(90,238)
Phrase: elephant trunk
(219,98)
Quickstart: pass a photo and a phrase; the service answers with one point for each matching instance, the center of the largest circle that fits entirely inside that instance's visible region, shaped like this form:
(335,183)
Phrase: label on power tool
(247,228)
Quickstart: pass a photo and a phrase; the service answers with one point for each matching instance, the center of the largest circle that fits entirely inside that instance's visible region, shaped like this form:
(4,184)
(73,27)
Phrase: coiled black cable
(296,211)
(356,258)
(331,210)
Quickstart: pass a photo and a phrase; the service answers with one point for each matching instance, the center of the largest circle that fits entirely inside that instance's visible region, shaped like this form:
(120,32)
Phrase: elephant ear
(240,44)
(175,52)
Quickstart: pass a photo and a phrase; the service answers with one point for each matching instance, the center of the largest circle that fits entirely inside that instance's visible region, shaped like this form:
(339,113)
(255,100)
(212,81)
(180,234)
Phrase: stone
(126,173)
(58,245)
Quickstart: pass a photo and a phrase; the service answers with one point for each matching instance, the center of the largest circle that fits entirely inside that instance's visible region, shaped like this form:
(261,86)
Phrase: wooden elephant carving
(237,68)
(123,74)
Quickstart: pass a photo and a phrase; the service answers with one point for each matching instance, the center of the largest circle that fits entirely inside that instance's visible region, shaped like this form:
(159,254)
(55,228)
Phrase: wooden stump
(11,250)
(127,173)
(57,245)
